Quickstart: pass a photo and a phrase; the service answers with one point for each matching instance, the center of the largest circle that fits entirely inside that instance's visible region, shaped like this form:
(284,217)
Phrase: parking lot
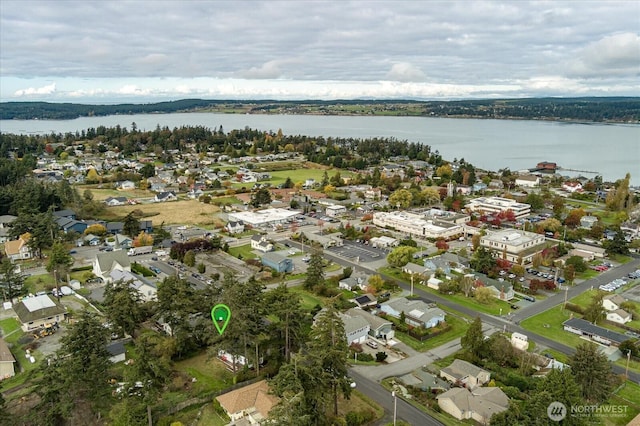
(359,252)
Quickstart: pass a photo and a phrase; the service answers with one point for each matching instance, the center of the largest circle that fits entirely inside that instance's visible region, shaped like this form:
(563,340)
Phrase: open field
(100,194)
(627,395)
(188,212)
(549,324)
(245,251)
(458,329)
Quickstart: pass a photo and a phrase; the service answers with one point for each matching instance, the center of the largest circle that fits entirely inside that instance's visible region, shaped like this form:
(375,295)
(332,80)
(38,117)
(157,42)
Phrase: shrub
(381,356)
(202,268)
(365,357)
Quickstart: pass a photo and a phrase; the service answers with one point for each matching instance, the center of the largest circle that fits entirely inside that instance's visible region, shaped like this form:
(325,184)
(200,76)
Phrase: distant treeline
(609,109)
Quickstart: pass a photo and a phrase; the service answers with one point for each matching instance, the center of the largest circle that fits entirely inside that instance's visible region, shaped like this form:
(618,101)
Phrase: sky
(149,51)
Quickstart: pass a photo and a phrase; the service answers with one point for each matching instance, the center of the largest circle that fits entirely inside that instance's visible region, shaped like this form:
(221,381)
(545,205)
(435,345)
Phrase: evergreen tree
(285,305)
(315,271)
(12,282)
(327,347)
(131,225)
(122,306)
(592,372)
(473,340)
(261,197)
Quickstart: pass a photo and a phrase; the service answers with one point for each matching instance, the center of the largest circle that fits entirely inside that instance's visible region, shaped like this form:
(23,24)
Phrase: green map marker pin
(221,314)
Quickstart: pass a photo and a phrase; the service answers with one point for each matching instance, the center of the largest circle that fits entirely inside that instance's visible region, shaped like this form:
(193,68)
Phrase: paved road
(404,411)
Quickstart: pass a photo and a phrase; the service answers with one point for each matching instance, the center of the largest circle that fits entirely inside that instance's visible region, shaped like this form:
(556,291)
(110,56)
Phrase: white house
(18,249)
(356,328)
(466,373)
(235,226)
(260,242)
(572,187)
(335,210)
(147,290)
(612,302)
(165,196)
(115,201)
(519,341)
(126,185)
(528,181)
(619,316)
(106,262)
(352,283)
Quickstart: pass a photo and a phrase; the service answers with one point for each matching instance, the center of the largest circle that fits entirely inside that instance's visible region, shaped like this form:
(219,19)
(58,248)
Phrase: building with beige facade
(416,225)
(513,245)
(496,205)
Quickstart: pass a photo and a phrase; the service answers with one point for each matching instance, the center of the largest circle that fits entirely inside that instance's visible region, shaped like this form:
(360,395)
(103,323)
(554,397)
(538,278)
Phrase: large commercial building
(514,244)
(264,218)
(416,225)
(495,205)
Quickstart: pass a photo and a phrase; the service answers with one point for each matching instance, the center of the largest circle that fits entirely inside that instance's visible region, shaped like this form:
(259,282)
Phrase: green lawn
(458,329)
(587,275)
(633,364)
(585,298)
(246,251)
(308,301)
(549,324)
(211,374)
(218,201)
(627,395)
(36,283)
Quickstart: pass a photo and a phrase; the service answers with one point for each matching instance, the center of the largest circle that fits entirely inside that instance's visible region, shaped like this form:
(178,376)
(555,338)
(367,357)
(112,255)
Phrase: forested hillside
(615,110)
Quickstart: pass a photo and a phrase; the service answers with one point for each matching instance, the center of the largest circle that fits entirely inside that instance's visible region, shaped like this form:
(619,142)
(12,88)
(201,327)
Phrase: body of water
(611,150)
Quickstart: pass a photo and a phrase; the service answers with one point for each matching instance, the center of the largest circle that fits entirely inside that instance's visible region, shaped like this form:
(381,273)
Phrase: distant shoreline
(614,110)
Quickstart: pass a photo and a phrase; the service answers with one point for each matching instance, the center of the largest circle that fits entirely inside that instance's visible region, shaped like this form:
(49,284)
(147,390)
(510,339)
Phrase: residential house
(356,328)
(632,230)
(147,290)
(277,262)
(39,311)
(572,187)
(519,341)
(424,381)
(365,300)
(479,187)
(115,201)
(619,316)
(470,375)
(235,226)
(335,210)
(417,270)
(598,334)
(502,290)
(528,181)
(7,360)
(379,327)
(250,403)
(126,185)
(107,262)
(162,197)
(417,313)
(117,352)
(261,243)
(71,225)
(479,404)
(612,302)
(587,222)
(18,249)
(89,240)
(496,184)
(5,224)
(353,283)
(65,213)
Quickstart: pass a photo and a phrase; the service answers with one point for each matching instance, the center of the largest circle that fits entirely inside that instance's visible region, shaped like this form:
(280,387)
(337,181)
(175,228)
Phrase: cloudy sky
(143,51)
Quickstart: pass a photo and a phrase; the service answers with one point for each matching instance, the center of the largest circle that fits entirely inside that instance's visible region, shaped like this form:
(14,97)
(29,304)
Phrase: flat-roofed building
(416,225)
(495,205)
(264,217)
(514,244)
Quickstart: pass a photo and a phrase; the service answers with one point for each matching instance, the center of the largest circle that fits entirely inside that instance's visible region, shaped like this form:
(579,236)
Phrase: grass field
(627,395)
(308,301)
(188,212)
(246,251)
(100,194)
(458,329)
(549,324)
(210,373)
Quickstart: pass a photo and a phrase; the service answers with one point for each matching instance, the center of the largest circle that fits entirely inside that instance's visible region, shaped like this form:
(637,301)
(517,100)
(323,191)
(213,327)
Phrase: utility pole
(395,406)
(626,372)
(412,284)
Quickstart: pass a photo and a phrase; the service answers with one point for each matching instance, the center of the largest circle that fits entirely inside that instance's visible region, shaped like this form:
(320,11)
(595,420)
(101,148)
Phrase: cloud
(268,70)
(405,72)
(31,91)
(617,54)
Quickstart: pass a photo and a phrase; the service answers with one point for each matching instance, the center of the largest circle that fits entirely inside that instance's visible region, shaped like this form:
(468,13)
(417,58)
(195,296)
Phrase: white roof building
(415,224)
(264,217)
(491,205)
(515,244)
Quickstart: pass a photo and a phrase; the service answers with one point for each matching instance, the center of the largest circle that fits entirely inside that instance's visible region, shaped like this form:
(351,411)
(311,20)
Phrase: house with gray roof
(147,289)
(478,404)
(277,262)
(7,361)
(356,328)
(424,380)
(601,335)
(261,243)
(417,313)
(470,375)
(379,327)
(106,262)
(353,283)
(39,311)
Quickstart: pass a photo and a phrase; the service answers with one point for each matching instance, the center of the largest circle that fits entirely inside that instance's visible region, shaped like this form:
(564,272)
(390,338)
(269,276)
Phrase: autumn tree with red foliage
(442,244)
